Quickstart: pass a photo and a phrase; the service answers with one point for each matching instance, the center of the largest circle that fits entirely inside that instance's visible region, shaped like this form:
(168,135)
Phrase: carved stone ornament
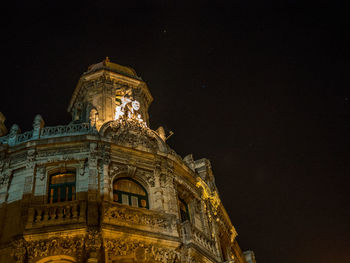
(83,167)
(18,250)
(117,214)
(141,251)
(189,257)
(93,241)
(41,172)
(14,131)
(131,170)
(131,133)
(72,246)
(31,153)
(114,169)
(149,178)
(5,178)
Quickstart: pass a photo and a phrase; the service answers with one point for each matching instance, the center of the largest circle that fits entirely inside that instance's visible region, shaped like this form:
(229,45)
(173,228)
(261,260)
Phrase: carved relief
(118,213)
(149,178)
(72,246)
(93,241)
(5,178)
(131,171)
(141,251)
(31,154)
(133,134)
(19,250)
(114,169)
(41,172)
(83,167)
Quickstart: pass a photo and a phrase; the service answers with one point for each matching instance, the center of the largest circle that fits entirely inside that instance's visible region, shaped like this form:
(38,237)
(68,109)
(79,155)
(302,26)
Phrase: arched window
(62,187)
(184,214)
(129,192)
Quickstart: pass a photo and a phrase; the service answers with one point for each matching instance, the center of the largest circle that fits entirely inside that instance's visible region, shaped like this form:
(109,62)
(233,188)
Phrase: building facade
(106,187)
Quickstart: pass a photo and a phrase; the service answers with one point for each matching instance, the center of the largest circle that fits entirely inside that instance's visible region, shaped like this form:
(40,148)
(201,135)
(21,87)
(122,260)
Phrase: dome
(106,64)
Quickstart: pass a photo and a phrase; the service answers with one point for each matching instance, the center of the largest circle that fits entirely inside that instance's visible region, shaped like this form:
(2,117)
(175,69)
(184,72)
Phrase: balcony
(192,235)
(116,214)
(40,216)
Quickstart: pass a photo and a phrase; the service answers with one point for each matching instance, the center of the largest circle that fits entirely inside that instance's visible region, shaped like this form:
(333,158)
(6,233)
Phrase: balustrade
(190,234)
(56,214)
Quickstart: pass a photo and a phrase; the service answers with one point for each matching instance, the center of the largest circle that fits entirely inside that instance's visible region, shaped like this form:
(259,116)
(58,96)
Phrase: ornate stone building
(106,187)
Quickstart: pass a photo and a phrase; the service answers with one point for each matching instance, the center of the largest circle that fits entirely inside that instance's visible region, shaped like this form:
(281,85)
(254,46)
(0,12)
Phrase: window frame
(130,195)
(72,188)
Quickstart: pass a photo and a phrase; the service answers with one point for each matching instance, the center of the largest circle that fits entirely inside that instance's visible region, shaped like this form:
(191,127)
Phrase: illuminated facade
(106,187)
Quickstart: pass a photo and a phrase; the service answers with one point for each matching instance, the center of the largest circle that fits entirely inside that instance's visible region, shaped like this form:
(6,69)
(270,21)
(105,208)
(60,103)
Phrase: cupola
(107,92)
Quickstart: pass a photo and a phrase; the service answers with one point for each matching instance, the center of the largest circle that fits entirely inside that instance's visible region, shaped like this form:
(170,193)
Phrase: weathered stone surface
(182,219)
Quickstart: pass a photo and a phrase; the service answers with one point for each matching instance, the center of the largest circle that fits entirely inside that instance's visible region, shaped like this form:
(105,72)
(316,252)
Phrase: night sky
(260,88)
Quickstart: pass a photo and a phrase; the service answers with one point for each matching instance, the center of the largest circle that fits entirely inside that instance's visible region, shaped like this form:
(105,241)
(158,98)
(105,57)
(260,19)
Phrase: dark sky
(260,88)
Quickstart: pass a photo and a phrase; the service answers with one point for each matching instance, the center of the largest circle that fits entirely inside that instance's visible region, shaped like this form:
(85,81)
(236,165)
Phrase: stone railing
(139,218)
(49,132)
(56,214)
(24,137)
(63,130)
(190,234)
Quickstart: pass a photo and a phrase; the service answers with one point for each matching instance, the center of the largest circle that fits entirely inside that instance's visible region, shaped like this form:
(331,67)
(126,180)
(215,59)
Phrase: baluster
(82,212)
(57,213)
(37,216)
(31,218)
(51,213)
(46,214)
(63,212)
(75,211)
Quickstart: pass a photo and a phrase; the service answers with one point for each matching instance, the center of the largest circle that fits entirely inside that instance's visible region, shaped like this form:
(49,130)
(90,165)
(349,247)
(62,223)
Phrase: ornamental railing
(192,235)
(49,132)
(139,218)
(56,214)
(62,130)
(24,137)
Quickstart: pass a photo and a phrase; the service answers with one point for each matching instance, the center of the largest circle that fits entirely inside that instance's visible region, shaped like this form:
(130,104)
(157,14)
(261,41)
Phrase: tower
(106,187)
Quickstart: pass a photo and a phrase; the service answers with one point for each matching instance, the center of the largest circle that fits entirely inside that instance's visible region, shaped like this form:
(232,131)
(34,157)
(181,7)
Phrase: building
(106,187)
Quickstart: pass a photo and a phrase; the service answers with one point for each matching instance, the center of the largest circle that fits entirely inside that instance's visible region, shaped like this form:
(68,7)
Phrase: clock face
(136,105)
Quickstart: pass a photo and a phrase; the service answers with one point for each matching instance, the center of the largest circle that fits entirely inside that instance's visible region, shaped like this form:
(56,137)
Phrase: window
(184,214)
(62,187)
(129,192)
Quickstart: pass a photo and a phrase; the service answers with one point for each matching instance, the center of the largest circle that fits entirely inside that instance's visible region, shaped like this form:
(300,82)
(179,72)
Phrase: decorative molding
(118,214)
(133,134)
(93,240)
(83,166)
(41,172)
(5,178)
(141,251)
(31,155)
(19,250)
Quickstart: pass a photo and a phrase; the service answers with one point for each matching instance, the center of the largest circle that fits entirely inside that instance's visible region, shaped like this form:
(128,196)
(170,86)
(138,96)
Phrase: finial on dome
(106,60)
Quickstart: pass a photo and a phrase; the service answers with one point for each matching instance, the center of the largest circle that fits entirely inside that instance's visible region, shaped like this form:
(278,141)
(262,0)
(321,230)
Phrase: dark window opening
(184,214)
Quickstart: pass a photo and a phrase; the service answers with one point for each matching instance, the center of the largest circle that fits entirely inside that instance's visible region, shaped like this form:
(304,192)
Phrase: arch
(130,192)
(57,259)
(111,128)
